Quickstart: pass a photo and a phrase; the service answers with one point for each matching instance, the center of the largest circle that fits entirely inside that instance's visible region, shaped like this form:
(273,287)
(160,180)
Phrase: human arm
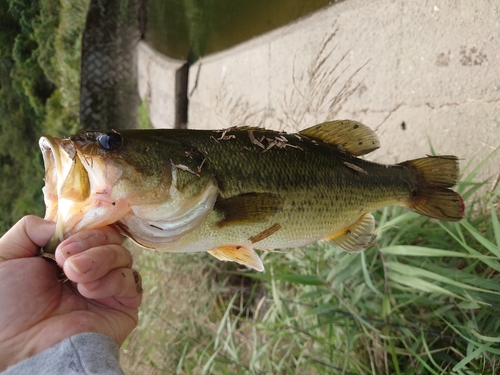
(38,311)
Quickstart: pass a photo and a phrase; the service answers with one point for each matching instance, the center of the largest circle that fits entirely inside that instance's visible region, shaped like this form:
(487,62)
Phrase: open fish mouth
(75,193)
(66,183)
(65,175)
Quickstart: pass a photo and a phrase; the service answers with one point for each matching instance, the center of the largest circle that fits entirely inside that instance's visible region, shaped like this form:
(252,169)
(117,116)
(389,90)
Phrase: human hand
(38,311)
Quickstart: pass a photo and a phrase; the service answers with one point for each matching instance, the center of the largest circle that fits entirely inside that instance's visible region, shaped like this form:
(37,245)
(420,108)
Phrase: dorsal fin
(352,136)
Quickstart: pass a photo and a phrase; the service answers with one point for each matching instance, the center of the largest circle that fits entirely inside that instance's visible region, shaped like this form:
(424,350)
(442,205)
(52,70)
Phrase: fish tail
(431,196)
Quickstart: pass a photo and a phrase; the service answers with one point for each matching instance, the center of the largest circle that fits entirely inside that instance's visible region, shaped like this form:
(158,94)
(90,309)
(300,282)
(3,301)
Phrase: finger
(96,262)
(25,238)
(124,284)
(85,240)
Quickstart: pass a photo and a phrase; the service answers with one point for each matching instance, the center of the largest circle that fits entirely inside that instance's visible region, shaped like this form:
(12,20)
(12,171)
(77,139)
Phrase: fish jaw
(53,169)
(78,190)
(161,223)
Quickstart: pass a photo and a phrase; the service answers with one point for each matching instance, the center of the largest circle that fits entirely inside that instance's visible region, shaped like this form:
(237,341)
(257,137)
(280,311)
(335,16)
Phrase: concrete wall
(160,84)
(434,66)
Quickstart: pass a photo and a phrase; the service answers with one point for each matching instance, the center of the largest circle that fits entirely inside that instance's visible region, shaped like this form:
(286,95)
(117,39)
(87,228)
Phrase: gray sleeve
(85,353)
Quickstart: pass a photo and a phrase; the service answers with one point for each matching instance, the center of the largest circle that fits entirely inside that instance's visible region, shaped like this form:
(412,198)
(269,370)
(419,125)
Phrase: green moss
(143,120)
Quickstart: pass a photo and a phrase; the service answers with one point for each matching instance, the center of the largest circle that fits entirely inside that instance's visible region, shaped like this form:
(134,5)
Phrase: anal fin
(244,255)
(355,237)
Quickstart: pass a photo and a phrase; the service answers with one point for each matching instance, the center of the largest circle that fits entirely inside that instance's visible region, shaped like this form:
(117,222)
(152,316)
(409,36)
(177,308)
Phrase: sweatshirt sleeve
(85,353)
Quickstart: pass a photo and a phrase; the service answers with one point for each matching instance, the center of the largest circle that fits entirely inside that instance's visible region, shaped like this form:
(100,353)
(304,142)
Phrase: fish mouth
(66,183)
(65,175)
(76,190)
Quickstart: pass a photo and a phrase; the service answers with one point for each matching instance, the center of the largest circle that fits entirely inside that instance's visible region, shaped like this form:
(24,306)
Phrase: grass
(424,299)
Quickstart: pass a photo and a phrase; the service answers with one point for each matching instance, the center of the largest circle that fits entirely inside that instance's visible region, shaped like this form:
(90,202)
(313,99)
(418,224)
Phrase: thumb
(26,237)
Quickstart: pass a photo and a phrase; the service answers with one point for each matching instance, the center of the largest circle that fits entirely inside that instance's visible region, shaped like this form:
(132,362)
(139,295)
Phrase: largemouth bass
(231,191)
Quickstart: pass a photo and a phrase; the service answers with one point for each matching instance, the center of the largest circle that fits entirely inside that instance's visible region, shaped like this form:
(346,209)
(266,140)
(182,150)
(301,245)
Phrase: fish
(233,191)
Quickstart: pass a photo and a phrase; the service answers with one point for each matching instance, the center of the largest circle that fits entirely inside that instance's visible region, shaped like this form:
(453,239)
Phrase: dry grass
(320,92)
(177,299)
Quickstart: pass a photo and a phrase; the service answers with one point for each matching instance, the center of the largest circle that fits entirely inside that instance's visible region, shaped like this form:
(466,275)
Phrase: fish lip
(51,160)
(58,157)
(53,157)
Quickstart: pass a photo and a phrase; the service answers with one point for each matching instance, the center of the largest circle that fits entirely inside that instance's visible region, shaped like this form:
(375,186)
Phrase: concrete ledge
(382,62)
(161,82)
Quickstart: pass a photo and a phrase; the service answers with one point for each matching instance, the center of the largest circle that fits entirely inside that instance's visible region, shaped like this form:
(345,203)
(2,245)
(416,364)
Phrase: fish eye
(110,141)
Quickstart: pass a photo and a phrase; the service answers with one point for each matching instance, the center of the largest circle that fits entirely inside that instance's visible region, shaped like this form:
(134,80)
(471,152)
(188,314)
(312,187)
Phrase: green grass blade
(489,339)
(366,275)
(222,323)
(494,221)
(420,251)
(300,279)
(428,352)
(492,248)
(421,360)
(396,222)
(181,360)
(405,269)
(208,365)
(470,177)
(422,285)
(472,355)
(394,356)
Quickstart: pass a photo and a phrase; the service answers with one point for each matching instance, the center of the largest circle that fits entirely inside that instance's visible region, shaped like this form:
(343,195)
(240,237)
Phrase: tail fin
(431,197)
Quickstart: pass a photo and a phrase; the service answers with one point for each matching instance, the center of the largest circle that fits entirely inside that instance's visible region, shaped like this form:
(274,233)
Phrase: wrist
(82,353)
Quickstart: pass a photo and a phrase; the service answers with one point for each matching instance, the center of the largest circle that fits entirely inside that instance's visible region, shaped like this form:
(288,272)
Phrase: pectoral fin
(356,237)
(352,136)
(244,255)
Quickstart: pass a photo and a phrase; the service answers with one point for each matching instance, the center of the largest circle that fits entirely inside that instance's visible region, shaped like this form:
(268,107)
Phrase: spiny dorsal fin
(352,136)
(240,254)
(248,208)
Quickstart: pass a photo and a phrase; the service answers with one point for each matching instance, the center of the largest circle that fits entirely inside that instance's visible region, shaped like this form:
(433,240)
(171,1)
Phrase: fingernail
(92,285)
(71,249)
(81,263)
